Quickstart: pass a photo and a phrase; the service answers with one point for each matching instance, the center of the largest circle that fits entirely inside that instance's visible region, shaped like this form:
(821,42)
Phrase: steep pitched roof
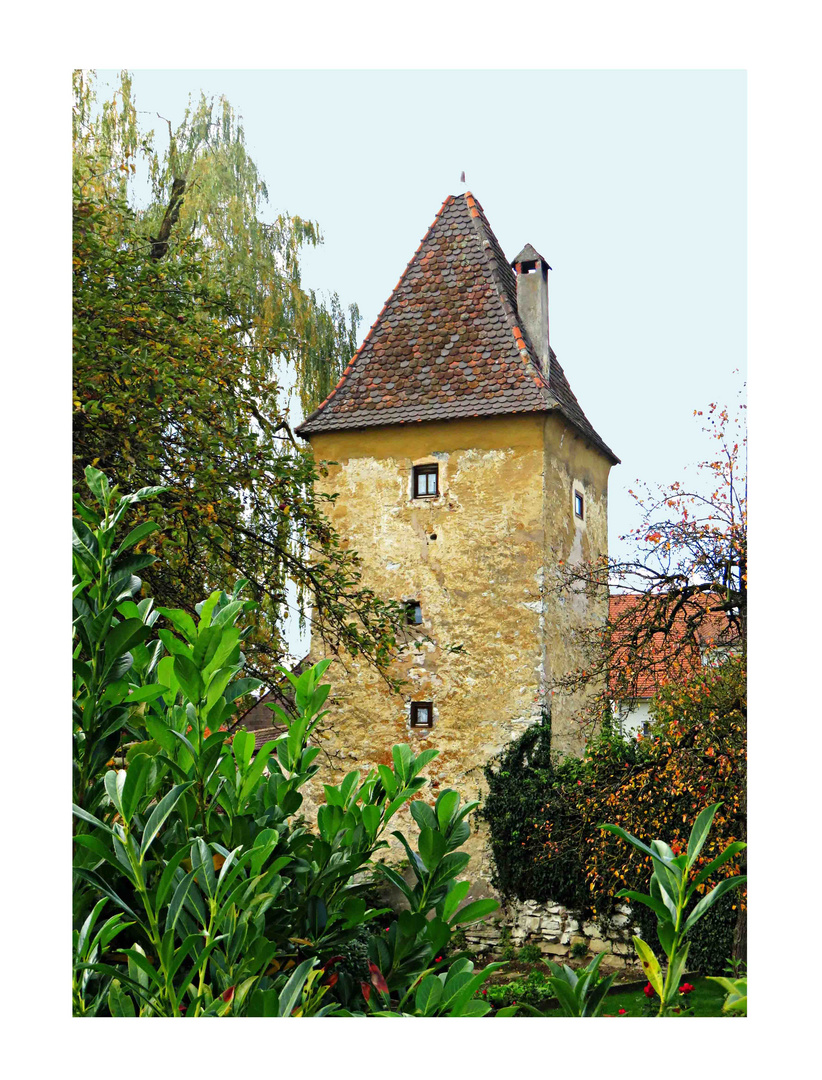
(448,342)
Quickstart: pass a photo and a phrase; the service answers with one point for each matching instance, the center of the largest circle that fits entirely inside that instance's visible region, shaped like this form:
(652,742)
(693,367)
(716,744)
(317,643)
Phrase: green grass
(706,1000)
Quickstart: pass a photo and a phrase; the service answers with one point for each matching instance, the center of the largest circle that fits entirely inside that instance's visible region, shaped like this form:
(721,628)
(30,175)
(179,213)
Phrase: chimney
(532,300)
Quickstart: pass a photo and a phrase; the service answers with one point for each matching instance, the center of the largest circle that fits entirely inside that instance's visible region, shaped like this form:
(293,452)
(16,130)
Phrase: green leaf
(710,869)
(84,815)
(167,876)
(189,678)
(98,484)
(292,990)
(134,786)
(403,756)
(431,848)
(475,911)
(423,814)
(206,646)
(648,901)
(102,886)
(182,622)
(632,840)
(666,933)
(677,968)
(445,806)
(243,748)
(145,693)
(428,995)
(136,534)
(453,898)
(159,815)
(596,998)
(708,901)
(181,893)
(119,1003)
(241,687)
(114,783)
(207,609)
(699,832)
(388,780)
(124,635)
(454,985)
(397,880)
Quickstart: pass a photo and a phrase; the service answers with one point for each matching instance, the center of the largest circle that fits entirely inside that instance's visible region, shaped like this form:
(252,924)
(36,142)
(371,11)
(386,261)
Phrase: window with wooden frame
(422,714)
(579,505)
(425,481)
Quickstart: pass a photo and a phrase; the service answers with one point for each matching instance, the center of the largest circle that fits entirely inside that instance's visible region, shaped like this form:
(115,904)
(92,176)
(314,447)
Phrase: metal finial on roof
(462,177)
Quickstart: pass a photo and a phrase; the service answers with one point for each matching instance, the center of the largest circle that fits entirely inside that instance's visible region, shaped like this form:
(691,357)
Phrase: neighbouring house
(667,660)
(263,722)
(466,471)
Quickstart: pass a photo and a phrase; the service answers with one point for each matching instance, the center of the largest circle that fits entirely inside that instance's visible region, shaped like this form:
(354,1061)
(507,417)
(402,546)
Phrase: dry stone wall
(556,930)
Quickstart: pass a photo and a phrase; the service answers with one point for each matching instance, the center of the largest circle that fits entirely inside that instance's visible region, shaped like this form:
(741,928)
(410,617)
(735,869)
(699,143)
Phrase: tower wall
(570,465)
(502,517)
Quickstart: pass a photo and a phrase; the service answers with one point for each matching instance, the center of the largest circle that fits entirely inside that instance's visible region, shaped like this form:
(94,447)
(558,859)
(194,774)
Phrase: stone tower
(466,470)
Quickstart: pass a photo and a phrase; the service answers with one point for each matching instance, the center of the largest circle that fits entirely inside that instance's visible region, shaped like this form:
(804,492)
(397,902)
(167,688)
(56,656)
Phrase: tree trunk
(740,945)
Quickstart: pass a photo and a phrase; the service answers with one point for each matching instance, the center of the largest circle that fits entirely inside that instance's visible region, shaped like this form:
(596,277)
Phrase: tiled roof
(448,343)
(668,657)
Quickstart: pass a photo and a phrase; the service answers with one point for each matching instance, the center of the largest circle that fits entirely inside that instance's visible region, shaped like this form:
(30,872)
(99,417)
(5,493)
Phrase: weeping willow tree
(186,307)
(204,184)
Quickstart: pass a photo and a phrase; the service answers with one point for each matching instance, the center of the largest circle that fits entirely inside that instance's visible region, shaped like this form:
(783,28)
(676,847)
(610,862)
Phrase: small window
(425,481)
(579,505)
(422,714)
(413,613)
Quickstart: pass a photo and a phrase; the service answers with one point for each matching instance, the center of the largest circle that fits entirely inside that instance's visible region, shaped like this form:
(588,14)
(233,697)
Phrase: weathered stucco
(479,558)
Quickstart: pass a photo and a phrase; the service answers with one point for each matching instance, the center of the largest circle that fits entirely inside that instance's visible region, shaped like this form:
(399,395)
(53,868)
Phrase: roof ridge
(312,416)
(523,344)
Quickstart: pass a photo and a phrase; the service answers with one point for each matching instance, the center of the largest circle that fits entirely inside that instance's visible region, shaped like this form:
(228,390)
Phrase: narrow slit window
(579,505)
(422,714)
(413,613)
(426,481)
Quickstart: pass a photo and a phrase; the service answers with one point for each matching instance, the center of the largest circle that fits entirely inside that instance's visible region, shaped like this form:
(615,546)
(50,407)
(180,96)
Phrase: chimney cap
(530,254)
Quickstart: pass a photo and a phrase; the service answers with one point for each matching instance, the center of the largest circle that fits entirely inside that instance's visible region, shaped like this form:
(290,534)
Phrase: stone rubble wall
(556,930)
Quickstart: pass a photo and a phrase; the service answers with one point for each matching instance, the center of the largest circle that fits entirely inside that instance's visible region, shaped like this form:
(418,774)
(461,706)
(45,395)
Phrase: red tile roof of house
(448,342)
(669,658)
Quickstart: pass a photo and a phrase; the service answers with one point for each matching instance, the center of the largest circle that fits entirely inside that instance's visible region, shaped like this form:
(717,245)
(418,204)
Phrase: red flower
(649,990)
(686,988)
(623,1012)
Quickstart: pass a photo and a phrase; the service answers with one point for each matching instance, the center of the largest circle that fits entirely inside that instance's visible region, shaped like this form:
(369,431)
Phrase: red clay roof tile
(447,343)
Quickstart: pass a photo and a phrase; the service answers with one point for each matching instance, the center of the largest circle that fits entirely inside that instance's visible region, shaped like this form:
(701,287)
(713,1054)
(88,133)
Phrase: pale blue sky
(631,183)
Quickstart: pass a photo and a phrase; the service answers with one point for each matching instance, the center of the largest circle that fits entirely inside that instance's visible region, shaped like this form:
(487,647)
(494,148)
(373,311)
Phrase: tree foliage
(221,899)
(680,634)
(180,310)
(687,581)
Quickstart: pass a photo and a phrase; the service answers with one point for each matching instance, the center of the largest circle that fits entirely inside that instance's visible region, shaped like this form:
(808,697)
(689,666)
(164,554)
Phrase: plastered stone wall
(479,558)
(570,465)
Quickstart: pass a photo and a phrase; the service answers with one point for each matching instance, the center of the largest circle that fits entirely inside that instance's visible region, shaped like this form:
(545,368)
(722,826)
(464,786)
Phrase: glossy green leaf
(711,898)
(159,815)
(475,911)
(189,678)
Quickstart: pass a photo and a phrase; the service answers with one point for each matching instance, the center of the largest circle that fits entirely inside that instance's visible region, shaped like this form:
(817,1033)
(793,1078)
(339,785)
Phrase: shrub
(221,900)
(525,804)
(529,954)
